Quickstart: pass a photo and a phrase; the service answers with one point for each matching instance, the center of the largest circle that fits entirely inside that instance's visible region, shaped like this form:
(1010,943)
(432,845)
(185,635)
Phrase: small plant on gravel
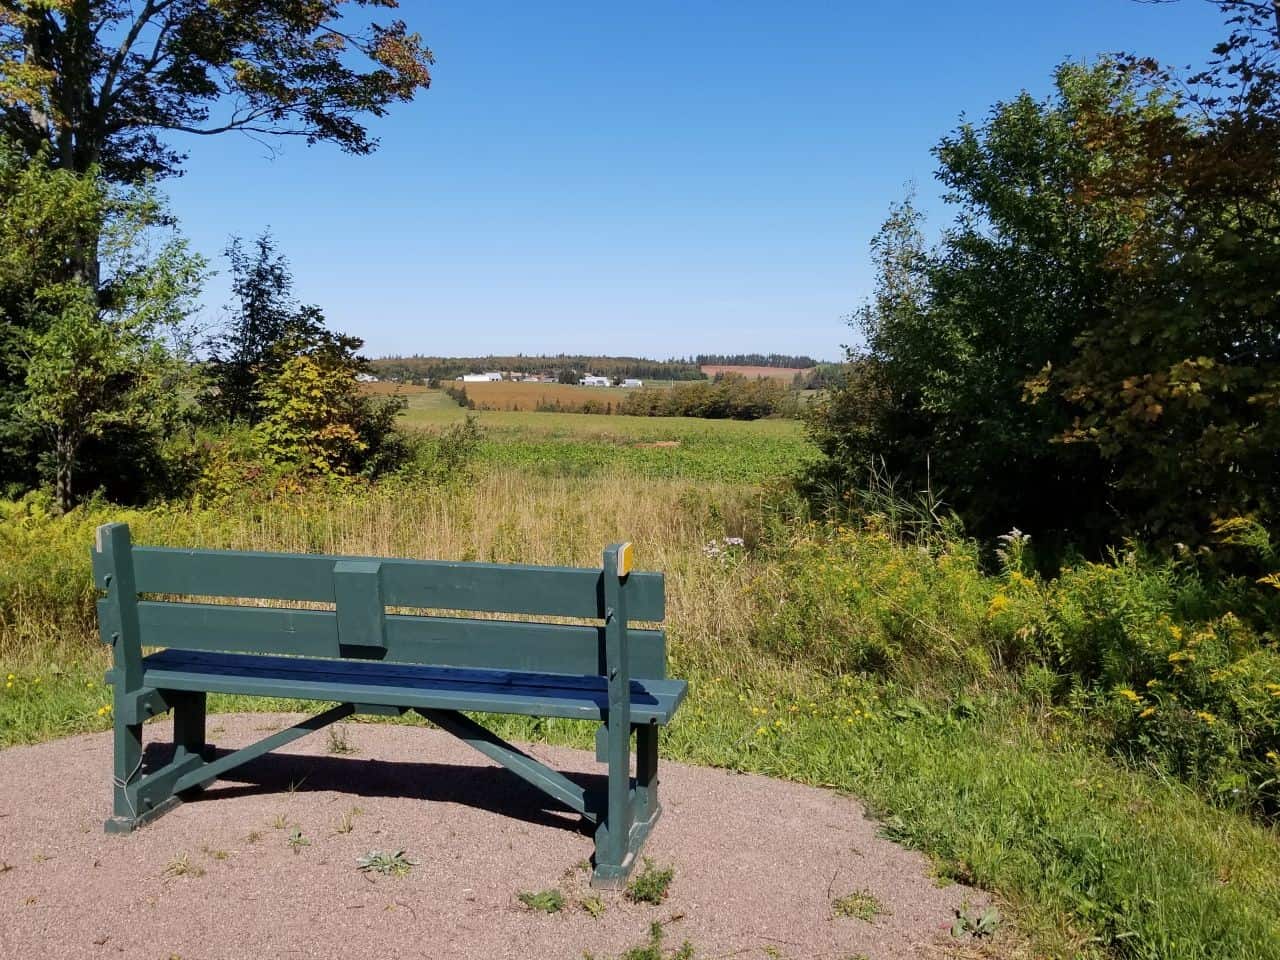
(977,925)
(214,854)
(651,884)
(280,822)
(253,837)
(859,905)
(653,949)
(338,741)
(347,822)
(594,905)
(181,866)
(548,901)
(392,864)
(297,841)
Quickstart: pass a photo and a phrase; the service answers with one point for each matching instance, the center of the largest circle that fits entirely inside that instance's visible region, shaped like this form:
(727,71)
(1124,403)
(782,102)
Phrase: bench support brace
(140,801)
(550,782)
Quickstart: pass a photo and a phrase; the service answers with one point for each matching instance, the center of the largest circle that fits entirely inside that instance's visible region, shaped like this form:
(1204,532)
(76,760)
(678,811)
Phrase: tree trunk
(64,454)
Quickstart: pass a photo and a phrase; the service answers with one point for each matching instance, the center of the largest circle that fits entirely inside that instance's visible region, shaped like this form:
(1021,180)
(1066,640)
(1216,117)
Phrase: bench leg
(126,772)
(647,806)
(188,725)
(614,857)
(138,799)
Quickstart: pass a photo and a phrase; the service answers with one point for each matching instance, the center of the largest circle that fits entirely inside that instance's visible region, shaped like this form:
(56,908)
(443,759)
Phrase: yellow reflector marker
(626,557)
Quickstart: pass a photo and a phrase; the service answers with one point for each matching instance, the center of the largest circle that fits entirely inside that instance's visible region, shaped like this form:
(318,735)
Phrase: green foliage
(953,333)
(1145,654)
(263,320)
(97,83)
(860,905)
(318,423)
(652,949)
(546,901)
(651,884)
(389,863)
(89,358)
(978,925)
(732,397)
(1090,351)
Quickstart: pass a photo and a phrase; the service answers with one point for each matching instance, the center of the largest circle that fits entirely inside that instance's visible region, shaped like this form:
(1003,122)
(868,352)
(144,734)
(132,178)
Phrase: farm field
(785,374)
(579,444)
(528,397)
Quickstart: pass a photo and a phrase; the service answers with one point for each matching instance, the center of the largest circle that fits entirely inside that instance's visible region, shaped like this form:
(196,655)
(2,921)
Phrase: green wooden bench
(369,660)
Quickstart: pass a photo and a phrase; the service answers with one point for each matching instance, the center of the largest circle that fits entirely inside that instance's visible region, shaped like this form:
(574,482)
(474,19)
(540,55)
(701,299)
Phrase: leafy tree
(99,83)
(90,361)
(317,422)
(265,316)
(954,333)
(1180,389)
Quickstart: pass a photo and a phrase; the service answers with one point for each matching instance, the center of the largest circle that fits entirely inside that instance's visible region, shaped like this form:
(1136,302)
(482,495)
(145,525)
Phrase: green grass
(580,444)
(545,901)
(859,905)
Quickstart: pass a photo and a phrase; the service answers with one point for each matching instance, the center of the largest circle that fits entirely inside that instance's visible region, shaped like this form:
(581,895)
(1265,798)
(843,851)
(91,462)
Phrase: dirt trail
(757,861)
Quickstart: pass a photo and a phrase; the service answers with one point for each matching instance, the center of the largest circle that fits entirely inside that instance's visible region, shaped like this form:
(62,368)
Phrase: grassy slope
(1095,859)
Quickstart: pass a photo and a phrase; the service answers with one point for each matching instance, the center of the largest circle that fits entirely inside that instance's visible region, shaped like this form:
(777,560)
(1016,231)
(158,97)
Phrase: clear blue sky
(659,179)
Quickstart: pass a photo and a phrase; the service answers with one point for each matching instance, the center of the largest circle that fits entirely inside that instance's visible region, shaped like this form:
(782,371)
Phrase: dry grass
(504,516)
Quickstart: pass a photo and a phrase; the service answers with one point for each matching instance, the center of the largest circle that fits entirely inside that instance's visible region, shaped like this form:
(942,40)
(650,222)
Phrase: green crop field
(578,444)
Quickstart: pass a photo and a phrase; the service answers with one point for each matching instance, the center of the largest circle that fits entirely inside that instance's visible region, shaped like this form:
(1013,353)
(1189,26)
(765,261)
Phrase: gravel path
(757,861)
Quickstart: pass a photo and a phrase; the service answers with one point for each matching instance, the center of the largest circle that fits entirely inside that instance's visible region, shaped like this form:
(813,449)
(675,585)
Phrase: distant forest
(783,360)
(566,366)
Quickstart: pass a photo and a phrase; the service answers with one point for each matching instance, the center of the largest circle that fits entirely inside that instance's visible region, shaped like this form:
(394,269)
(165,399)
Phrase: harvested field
(786,374)
(563,397)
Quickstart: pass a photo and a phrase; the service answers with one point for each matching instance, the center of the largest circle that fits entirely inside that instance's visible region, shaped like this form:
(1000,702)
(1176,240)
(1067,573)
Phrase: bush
(1145,656)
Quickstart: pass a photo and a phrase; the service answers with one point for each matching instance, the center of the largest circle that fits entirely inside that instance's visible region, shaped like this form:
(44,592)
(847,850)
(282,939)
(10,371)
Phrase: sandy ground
(757,861)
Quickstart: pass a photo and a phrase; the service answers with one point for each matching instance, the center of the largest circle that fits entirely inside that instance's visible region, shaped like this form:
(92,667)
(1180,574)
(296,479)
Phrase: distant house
(366,378)
(492,375)
(590,381)
(632,382)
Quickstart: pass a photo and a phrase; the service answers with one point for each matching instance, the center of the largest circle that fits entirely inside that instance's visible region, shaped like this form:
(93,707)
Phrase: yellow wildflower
(1206,716)
(1273,756)
(1149,712)
(1128,695)
(998,604)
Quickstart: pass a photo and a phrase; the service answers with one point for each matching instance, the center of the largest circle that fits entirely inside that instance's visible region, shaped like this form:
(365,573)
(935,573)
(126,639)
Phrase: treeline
(784,360)
(1091,350)
(568,368)
(730,397)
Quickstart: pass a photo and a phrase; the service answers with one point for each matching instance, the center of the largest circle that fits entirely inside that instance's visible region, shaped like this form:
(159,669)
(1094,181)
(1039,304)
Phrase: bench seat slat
(438,641)
(429,584)
(371,682)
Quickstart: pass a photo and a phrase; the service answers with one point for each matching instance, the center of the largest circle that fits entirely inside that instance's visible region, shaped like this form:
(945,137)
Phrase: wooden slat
(439,641)
(357,681)
(428,584)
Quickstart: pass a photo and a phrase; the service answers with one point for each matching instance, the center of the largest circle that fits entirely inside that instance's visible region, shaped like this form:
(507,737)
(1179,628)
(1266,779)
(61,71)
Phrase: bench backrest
(358,592)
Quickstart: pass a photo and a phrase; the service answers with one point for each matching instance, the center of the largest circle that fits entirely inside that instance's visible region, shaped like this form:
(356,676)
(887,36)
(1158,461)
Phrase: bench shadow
(490,788)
